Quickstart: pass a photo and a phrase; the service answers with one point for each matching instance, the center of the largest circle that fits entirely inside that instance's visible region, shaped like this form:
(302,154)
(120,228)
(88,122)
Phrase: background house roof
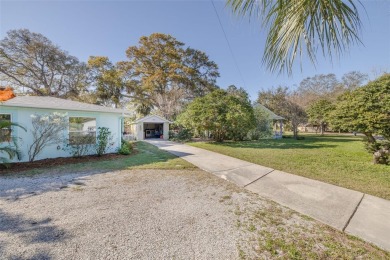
(152,119)
(57,103)
(271,114)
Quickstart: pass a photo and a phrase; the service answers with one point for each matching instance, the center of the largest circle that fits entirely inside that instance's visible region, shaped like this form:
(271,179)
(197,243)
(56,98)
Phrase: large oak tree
(31,62)
(160,68)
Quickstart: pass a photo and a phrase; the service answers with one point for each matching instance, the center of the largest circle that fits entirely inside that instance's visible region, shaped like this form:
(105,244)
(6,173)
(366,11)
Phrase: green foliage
(295,25)
(11,149)
(221,114)
(365,109)
(108,80)
(263,125)
(183,135)
(126,148)
(380,150)
(318,113)
(103,140)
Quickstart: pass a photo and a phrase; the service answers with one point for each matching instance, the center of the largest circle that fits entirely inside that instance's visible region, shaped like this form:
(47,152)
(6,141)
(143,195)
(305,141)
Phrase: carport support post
(166,131)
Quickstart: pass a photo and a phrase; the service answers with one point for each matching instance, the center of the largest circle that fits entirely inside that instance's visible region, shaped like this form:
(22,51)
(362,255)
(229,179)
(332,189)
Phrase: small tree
(318,113)
(295,114)
(103,140)
(46,130)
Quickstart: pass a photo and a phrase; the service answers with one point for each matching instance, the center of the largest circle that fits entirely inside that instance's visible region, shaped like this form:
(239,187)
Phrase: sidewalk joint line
(258,178)
(353,213)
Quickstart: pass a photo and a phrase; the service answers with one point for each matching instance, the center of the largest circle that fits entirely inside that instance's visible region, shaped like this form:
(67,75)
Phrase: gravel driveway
(151,214)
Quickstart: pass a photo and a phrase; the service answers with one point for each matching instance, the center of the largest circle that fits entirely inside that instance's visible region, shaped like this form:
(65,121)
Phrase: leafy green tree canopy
(366,109)
(318,113)
(221,114)
(108,80)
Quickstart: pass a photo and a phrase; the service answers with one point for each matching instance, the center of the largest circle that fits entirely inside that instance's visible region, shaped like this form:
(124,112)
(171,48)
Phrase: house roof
(57,103)
(271,114)
(152,119)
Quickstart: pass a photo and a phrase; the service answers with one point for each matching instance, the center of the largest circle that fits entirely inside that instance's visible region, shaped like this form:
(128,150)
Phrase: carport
(151,126)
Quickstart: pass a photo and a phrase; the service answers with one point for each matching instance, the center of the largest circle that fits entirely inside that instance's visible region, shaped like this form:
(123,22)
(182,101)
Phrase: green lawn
(147,156)
(336,159)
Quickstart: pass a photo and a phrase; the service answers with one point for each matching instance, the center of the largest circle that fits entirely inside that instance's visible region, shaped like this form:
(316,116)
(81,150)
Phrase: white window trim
(69,131)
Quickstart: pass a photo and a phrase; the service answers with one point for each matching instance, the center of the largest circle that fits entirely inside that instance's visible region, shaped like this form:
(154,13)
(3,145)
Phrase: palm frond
(298,27)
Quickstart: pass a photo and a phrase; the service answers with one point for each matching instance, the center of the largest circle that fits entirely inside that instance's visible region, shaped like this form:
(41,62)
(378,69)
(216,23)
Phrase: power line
(228,43)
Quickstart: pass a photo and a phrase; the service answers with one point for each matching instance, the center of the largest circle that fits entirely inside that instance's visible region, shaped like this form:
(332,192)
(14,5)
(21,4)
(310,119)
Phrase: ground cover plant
(337,159)
(143,156)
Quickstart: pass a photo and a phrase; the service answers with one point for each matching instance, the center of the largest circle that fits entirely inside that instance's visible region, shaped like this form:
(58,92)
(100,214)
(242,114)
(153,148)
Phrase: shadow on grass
(29,231)
(309,142)
(33,182)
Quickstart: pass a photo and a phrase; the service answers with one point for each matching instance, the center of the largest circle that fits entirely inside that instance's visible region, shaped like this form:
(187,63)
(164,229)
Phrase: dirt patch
(158,214)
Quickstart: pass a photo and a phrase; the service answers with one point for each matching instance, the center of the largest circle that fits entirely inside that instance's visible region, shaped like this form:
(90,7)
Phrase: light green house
(84,119)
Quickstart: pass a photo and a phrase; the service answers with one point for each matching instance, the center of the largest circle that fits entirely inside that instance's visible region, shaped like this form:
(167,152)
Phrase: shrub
(380,151)
(82,146)
(125,148)
(103,139)
(183,135)
(12,149)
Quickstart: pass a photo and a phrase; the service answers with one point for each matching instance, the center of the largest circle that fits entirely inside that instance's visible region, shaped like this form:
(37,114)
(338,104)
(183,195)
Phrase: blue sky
(108,28)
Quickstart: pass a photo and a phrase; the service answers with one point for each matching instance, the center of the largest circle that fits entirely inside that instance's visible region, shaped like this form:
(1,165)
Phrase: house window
(5,133)
(82,130)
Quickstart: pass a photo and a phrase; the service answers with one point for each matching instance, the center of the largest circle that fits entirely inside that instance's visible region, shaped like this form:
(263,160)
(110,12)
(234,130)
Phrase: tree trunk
(370,138)
(322,128)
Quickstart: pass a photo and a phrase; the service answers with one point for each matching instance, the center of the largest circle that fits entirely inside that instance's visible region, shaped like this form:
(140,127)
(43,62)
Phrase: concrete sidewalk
(362,215)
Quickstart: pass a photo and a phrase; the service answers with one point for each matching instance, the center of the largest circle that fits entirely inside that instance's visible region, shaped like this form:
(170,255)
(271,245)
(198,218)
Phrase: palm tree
(296,26)
(12,149)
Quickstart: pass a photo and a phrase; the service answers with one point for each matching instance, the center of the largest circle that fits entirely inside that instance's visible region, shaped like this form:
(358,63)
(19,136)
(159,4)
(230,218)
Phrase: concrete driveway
(353,212)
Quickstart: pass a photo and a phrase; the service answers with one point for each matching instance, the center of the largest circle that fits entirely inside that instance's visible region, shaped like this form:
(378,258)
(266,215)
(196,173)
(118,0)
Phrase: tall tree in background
(320,86)
(281,102)
(353,80)
(273,99)
(326,87)
(108,80)
(160,67)
(301,26)
(30,60)
(319,112)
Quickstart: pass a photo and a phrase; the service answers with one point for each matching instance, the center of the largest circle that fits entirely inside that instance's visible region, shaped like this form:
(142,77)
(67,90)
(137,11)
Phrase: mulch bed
(16,167)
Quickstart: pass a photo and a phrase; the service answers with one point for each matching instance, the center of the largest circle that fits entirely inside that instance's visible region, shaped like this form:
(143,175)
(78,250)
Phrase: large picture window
(82,130)
(5,133)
